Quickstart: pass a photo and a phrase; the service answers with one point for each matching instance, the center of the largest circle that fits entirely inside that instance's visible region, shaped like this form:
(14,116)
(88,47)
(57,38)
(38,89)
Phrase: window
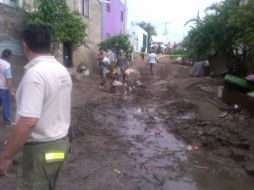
(108,8)
(5,2)
(86,8)
(122,16)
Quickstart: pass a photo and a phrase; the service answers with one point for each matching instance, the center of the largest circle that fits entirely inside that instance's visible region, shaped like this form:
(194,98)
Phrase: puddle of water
(150,142)
(159,151)
(173,185)
(212,181)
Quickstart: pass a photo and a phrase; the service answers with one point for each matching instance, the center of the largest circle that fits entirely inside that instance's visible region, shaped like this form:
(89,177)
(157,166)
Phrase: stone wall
(11,26)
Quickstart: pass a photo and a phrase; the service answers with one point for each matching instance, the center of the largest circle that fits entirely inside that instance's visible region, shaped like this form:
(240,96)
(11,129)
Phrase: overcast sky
(175,13)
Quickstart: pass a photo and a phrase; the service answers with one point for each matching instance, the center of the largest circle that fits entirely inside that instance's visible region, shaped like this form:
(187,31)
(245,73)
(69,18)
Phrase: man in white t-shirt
(6,87)
(152,60)
(43,114)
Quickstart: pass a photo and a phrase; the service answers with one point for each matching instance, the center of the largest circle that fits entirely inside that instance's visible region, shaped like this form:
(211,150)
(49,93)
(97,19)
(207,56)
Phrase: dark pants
(6,103)
(151,68)
(103,73)
(38,173)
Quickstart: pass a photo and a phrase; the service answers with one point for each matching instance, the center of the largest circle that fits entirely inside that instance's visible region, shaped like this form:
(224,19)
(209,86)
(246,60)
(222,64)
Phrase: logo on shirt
(64,82)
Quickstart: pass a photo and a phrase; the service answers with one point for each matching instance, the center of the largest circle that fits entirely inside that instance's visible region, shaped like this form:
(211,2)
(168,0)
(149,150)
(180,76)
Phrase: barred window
(108,8)
(122,16)
(86,8)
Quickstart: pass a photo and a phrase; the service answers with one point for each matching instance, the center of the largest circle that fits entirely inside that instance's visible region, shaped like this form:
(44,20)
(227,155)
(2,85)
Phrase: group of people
(105,62)
(43,106)
(121,63)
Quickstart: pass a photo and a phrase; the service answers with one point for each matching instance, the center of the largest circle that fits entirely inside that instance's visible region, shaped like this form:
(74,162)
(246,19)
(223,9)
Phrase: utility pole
(166,29)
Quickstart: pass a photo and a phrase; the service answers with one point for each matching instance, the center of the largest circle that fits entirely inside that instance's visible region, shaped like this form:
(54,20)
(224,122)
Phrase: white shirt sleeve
(32,97)
(7,73)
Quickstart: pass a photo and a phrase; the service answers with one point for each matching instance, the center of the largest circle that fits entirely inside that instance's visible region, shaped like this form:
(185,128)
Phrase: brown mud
(136,137)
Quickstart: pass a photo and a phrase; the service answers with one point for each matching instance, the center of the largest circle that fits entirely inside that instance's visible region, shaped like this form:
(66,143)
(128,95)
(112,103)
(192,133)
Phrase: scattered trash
(160,82)
(143,167)
(219,104)
(189,147)
(159,131)
(138,83)
(117,171)
(179,59)
(220,91)
(236,107)
(199,68)
(193,148)
(83,70)
(117,83)
(223,114)
(201,167)
(134,72)
(86,73)
(206,88)
(185,117)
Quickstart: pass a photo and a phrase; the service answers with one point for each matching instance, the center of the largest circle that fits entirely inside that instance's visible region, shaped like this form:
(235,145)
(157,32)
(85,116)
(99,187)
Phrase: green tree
(150,29)
(66,26)
(116,43)
(227,29)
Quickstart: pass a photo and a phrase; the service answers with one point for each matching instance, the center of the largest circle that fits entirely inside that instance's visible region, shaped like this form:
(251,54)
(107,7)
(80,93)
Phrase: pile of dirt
(233,140)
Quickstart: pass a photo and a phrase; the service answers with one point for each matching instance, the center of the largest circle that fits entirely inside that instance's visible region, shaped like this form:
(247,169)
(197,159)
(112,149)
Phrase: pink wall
(111,22)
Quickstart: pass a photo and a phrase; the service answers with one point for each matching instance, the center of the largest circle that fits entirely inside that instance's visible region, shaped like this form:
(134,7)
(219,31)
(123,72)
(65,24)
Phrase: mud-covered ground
(136,137)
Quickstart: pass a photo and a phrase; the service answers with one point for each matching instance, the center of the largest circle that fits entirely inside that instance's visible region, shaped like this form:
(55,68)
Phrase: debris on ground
(117,83)
(206,88)
(117,171)
(223,114)
(201,167)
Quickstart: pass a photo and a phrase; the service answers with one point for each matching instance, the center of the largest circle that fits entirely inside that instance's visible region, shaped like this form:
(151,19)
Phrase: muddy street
(152,134)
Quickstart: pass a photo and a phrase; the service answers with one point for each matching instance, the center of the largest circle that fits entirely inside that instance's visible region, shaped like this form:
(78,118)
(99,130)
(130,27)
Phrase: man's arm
(19,137)
(9,85)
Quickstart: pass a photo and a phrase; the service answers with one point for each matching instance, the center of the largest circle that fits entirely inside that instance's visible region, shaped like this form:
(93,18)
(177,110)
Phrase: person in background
(6,89)
(143,49)
(122,64)
(102,65)
(43,118)
(152,60)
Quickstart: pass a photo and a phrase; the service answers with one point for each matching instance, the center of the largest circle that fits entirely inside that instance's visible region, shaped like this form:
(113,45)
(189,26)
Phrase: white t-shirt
(45,93)
(5,73)
(152,58)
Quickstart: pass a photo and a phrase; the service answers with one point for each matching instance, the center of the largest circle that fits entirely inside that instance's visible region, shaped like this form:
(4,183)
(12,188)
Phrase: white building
(138,37)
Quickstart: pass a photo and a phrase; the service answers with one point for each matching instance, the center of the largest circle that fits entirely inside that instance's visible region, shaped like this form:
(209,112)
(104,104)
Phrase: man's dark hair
(6,53)
(38,38)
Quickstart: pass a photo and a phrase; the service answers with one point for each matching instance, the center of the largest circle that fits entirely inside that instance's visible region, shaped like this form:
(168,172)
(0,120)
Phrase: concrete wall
(137,34)
(112,24)
(87,52)
(11,27)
